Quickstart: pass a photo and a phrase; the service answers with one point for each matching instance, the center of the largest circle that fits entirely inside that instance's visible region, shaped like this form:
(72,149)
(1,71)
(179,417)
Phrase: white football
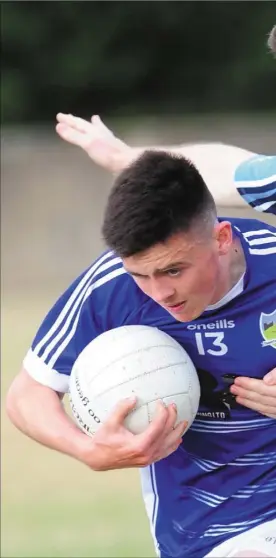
(132,360)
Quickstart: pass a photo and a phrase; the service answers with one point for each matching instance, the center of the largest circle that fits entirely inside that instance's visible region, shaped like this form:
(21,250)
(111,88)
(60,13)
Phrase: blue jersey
(255,180)
(222,479)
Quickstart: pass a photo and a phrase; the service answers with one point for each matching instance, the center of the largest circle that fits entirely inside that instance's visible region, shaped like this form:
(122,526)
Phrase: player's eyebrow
(158,270)
(135,273)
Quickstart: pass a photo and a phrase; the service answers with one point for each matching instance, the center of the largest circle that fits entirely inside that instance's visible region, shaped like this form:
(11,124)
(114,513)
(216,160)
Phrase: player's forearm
(216,163)
(38,412)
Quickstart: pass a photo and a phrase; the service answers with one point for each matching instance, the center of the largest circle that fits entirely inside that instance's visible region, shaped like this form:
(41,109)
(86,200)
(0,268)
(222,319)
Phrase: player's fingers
(165,453)
(172,441)
(121,411)
(253,384)
(156,427)
(258,397)
(171,418)
(259,388)
(74,121)
(61,116)
(96,120)
(71,135)
(270,378)
(177,432)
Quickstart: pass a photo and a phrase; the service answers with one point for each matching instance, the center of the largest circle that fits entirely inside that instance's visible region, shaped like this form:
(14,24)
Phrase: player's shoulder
(255,180)
(259,240)
(105,270)
(109,290)
(102,297)
(246,226)
(108,271)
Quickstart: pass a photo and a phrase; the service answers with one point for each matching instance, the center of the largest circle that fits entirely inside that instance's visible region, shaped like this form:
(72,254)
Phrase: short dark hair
(157,196)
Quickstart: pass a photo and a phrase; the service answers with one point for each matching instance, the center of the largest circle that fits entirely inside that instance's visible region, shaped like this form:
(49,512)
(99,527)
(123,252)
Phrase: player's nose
(161,292)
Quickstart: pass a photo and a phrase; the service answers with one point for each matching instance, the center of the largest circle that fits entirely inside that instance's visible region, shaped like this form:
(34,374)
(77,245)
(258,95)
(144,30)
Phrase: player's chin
(186,314)
(187,317)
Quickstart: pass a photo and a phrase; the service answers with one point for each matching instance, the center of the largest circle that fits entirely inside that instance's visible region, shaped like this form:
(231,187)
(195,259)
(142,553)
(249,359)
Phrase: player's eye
(173,272)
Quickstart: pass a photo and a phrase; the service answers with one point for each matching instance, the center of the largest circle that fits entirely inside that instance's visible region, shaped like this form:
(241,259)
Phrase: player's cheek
(197,282)
(205,286)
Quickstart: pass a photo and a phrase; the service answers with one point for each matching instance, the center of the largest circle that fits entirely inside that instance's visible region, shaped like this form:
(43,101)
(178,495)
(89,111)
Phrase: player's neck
(232,270)
(237,265)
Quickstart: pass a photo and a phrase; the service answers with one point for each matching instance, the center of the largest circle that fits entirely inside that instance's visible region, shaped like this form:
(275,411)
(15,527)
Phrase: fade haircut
(157,196)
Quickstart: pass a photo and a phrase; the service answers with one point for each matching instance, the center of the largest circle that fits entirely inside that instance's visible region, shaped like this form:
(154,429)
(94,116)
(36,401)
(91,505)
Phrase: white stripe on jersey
(257,233)
(249,459)
(219,529)
(265,240)
(76,308)
(45,375)
(258,540)
(106,266)
(212,500)
(81,285)
(71,330)
(255,458)
(222,427)
(151,499)
(259,488)
(263,251)
(264,206)
(255,183)
(235,422)
(263,236)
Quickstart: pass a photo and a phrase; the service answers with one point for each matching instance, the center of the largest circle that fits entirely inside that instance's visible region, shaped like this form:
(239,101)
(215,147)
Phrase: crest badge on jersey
(268,329)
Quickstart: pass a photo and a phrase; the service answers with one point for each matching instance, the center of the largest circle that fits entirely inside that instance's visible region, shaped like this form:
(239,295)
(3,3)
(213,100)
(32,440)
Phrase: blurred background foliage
(127,58)
(204,71)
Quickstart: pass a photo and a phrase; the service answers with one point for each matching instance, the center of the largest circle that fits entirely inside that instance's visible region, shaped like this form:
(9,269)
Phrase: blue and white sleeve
(255,180)
(74,321)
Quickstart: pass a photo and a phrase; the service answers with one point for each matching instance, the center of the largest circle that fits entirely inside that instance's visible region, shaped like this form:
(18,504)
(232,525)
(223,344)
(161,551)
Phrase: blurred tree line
(131,58)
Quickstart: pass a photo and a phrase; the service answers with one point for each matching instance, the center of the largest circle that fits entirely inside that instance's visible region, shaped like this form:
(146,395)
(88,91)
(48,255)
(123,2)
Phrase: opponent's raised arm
(216,162)
(98,141)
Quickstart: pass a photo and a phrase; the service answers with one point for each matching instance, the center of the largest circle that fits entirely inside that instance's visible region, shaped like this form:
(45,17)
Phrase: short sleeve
(255,181)
(77,317)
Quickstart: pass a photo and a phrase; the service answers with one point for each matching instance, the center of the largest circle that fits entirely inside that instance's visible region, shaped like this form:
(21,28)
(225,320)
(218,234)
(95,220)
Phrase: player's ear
(224,237)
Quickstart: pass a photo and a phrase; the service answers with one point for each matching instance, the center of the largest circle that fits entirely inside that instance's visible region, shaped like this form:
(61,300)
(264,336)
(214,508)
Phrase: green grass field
(53,506)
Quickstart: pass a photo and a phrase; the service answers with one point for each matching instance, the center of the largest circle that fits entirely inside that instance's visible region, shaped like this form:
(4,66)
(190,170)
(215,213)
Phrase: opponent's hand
(96,139)
(115,447)
(258,395)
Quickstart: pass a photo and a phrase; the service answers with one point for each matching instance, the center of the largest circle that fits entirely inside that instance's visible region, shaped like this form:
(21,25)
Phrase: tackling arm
(215,161)
(223,167)
(217,164)
(235,176)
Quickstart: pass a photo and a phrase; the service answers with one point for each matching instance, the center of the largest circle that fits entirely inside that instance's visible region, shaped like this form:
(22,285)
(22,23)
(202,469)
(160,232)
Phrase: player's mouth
(176,308)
